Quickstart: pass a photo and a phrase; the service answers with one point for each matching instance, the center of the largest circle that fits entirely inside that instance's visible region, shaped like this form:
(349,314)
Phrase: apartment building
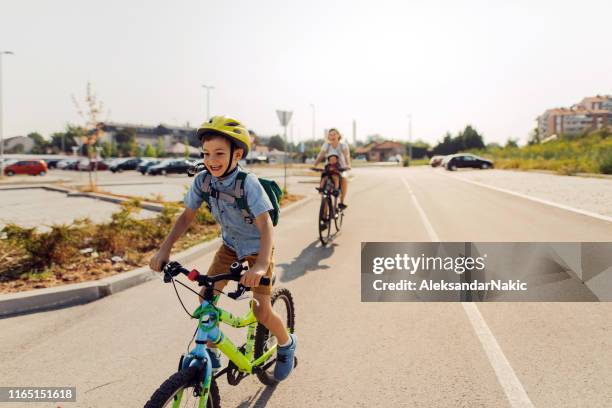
(589,114)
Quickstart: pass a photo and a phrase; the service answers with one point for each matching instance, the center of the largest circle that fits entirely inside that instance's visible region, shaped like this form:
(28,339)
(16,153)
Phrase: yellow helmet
(229,128)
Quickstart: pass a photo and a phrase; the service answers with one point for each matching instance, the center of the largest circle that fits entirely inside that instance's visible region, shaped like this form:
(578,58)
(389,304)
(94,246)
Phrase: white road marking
(516,394)
(538,200)
(430,230)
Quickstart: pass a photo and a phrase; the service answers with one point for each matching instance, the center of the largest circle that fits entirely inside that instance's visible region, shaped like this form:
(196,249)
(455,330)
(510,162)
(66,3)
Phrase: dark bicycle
(329,210)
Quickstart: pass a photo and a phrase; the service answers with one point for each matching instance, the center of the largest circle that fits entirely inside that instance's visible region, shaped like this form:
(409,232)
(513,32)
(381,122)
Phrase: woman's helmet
(229,128)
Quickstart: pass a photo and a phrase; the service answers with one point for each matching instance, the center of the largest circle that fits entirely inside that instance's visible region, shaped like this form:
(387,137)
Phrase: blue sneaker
(285,359)
(215,359)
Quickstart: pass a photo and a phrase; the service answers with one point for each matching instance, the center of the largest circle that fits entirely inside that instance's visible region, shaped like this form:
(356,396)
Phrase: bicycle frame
(209,317)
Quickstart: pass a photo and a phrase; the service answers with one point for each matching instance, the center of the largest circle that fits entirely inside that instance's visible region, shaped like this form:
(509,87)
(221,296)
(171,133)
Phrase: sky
(493,64)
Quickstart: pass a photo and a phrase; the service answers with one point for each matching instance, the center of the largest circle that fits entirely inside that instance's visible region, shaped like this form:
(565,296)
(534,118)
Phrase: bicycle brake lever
(238,292)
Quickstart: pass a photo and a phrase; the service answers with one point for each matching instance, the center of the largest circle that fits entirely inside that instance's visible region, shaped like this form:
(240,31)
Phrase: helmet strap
(231,159)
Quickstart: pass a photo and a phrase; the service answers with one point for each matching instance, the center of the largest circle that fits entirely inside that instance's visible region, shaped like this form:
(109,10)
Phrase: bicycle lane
(559,351)
(357,354)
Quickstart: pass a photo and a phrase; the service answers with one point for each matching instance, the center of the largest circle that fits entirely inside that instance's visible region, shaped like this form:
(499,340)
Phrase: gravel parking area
(590,194)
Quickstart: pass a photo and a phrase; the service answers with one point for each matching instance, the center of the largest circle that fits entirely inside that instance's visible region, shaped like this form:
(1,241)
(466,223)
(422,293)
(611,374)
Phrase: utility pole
(284,117)
(208,89)
(1,118)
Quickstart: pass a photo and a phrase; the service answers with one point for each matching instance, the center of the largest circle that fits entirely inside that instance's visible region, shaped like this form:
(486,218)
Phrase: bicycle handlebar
(174,268)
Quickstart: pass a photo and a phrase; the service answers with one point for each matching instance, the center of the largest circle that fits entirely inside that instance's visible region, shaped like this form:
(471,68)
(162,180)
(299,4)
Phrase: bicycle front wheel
(338,215)
(178,390)
(325,220)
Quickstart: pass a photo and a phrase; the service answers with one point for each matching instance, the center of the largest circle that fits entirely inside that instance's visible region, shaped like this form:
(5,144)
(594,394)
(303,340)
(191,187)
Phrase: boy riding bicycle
(246,234)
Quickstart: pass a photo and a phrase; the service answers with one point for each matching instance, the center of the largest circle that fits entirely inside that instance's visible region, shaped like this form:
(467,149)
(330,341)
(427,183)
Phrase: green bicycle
(194,384)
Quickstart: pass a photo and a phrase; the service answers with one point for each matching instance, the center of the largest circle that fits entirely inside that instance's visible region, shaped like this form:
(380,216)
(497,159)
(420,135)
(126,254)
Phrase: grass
(587,154)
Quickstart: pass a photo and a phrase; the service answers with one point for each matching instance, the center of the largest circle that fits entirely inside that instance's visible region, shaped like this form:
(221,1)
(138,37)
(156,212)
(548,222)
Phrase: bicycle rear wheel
(177,391)
(282,303)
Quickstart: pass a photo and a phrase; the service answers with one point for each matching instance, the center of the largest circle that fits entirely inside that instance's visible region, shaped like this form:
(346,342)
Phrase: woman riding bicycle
(334,147)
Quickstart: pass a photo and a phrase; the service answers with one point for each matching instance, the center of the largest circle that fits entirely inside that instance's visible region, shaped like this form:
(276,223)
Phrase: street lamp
(410,139)
(1,119)
(208,89)
(313,121)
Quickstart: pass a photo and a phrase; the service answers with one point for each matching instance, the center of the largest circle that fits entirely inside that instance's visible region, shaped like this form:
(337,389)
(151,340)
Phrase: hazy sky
(493,64)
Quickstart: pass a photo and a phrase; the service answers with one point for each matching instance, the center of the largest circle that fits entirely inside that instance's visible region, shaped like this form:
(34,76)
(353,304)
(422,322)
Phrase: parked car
(397,158)
(62,164)
(169,166)
(73,165)
(52,163)
(86,165)
(125,164)
(462,160)
(145,164)
(31,167)
(435,161)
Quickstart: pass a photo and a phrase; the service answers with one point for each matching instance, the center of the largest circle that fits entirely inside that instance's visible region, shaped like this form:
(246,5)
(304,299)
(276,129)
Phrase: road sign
(284,117)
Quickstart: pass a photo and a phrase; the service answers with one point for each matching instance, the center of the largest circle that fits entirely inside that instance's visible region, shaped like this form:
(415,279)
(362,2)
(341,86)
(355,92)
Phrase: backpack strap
(210,191)
(240,197)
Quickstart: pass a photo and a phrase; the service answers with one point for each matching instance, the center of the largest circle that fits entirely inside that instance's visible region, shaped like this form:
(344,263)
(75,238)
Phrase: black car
(52,163)
(144,166)
(462,160)
(177,166)
(126,164)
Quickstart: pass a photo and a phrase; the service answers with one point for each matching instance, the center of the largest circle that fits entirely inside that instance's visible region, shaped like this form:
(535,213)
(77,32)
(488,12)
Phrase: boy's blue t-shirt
(243,238)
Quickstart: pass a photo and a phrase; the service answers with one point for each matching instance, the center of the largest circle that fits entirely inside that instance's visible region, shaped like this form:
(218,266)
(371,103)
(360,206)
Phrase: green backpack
(274,192)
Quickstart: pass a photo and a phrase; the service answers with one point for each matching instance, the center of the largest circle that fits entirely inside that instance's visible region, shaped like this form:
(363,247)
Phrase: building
(147,135)
(381,151)
(589,114)
(18,144)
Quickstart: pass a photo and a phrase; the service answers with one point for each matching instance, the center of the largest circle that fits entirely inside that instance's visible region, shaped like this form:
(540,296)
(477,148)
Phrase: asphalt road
(116,351)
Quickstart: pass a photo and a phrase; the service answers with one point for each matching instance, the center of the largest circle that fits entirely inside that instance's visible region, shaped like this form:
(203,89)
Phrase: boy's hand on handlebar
(159,259)
(252,277)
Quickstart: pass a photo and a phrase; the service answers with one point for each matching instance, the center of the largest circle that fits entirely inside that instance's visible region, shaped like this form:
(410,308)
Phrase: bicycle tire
(325,235)
(338,215)
(262,334)
(183,379)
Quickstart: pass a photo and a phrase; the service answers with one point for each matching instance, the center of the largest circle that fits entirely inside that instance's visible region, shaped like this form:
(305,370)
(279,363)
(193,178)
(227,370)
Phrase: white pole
(410,139)
(208,89)
(1,118)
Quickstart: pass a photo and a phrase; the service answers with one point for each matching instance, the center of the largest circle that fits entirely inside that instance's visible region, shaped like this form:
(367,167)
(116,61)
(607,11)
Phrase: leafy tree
(64,141)
(534,137)
(276,142)
(511,143)
(107,150)
(471,138)
(40,144)
(160,148)
(150,151)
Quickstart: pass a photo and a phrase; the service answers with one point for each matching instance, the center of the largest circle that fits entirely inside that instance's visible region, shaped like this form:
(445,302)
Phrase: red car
(31,167)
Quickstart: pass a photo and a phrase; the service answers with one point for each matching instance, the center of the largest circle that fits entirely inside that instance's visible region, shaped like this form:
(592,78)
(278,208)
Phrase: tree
(276,142)
(40,144)
(472,139)
(374,138)
(160,148)
(107,150)
(91,128)
(64,141)
(534,136)
(511,143)
(126,140)
(150,151)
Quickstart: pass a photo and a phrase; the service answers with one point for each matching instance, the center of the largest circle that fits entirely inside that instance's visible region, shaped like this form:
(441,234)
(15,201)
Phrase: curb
(39,300)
